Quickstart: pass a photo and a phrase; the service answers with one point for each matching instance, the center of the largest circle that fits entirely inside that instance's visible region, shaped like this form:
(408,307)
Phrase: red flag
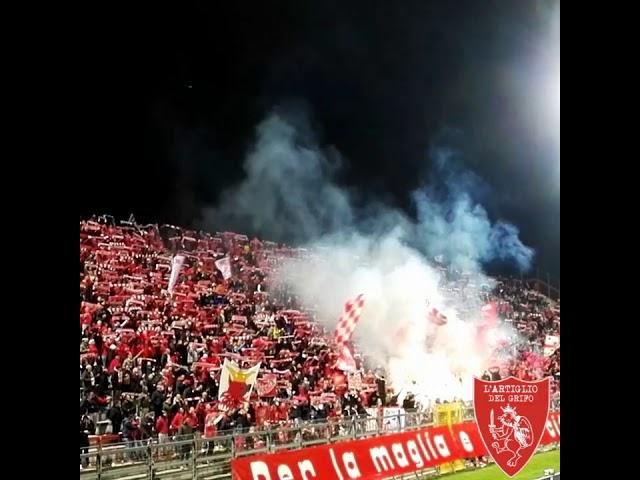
(349,319)
(345,361)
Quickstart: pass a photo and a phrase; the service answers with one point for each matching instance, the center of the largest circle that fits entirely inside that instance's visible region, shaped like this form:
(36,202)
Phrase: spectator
(114,414)
(101,381)
(137,339)
(87,425)
(129,430)
(88,379)
(147,427)
(177,421)
(84,446)
(162,428)
(157,400)
(381,384)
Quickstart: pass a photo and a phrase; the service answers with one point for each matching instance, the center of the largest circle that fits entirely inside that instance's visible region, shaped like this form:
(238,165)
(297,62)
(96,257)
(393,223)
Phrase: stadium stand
(150,361)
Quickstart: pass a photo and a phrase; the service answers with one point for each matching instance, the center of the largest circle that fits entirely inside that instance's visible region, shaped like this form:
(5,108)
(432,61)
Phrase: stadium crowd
(150,361)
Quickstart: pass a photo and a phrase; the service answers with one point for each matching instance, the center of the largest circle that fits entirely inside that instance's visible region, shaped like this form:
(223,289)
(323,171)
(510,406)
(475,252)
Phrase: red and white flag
(224,265)
(236,384)
(551,344)
(349,319)
(345,361)
(344,329)
(176,265)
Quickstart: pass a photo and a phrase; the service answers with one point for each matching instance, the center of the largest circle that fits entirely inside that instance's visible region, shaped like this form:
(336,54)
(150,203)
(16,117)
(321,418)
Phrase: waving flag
(345,361)
(224,265)
(236,384)
(349,320)
(176,265)
(551,344)
(346,325)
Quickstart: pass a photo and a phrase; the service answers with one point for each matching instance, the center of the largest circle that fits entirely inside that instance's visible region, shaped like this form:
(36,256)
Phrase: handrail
(396,421)
(197,457)
(392,423)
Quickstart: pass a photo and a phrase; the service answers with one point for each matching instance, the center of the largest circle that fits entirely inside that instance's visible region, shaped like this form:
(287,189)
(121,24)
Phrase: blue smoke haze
(289,195)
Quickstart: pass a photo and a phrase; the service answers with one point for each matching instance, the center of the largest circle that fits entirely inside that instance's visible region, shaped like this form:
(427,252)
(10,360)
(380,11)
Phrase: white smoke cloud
(289,195)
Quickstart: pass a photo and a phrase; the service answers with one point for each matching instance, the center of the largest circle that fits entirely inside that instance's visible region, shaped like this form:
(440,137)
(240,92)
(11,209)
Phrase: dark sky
(175,94)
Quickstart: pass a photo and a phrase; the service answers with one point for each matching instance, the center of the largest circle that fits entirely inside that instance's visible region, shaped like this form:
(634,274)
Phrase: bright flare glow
(556,95)
(445,372)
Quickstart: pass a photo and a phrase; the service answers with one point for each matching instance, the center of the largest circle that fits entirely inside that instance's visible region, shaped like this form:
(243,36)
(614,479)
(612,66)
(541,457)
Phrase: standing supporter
(115,416)
(150,342)
(157,400)
(162,429)
(177,421)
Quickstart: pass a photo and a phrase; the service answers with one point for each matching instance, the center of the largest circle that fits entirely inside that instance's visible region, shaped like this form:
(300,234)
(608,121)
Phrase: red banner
(376,457)
(552,429)
(468,438)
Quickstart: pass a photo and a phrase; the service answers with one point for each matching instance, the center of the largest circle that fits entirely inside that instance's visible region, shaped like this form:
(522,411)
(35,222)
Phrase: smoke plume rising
(289,194)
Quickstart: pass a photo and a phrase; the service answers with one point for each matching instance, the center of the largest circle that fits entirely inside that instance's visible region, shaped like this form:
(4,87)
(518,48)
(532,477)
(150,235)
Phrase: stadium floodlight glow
(549,70)
(551,89)
(555,94)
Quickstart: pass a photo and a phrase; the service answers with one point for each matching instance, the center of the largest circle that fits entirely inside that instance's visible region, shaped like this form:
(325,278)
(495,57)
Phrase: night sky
(176,93)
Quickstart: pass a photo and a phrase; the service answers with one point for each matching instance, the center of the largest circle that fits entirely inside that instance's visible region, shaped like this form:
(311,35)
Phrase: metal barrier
(195,457)
(198,458)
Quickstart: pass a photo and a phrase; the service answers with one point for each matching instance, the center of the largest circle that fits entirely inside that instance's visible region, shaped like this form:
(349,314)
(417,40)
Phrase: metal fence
(199,458)
(196,457)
